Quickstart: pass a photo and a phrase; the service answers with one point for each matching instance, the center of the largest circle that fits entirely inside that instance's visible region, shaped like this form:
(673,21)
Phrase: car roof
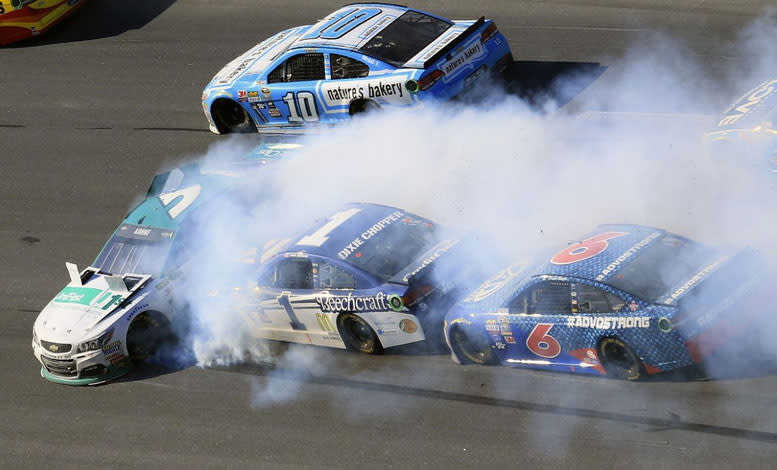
(329,235)
(622,243)
(492,293)
(753,108)
(379,16)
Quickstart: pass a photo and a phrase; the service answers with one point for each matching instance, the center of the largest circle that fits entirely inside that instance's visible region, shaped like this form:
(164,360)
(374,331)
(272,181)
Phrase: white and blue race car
(359,58)
(366,278)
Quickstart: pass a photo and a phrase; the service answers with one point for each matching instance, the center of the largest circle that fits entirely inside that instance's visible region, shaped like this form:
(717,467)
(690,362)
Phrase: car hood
(75,312)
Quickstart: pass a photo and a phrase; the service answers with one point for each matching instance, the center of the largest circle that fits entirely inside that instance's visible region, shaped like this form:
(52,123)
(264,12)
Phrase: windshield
(389,251)
(135,249)
(661,266)
(405,37)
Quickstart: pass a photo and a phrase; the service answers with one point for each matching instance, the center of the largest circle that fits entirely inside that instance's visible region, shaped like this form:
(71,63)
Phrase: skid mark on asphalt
(674,422)
(175,129)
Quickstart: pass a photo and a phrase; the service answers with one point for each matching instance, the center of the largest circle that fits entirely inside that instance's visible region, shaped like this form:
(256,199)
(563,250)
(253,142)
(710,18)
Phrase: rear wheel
(471,346)
(619,360)
(230,117)
(363,107)
(357,334)
(146,335)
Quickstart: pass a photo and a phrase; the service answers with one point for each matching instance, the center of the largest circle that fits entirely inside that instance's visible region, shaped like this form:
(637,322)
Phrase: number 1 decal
(283,301)
(177,201)
(541,343)
(301,108)
(585,249)
(321,235)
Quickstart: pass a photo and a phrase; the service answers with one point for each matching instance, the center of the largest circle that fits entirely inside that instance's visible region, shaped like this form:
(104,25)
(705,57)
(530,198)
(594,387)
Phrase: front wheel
(146,335)
(471,347)
(357,334)
(619,360)
(230,117)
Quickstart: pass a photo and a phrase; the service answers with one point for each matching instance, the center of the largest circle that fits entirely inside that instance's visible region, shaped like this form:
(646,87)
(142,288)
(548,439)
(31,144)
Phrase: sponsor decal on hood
(77,295)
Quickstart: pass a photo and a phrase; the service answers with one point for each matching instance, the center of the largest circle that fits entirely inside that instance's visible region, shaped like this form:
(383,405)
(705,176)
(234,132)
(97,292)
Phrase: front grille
(66,367)
(55,347)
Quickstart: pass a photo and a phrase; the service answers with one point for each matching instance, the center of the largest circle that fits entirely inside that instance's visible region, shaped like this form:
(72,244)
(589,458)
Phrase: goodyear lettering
(607,323)
(626,255)
(139,308)
(348,303)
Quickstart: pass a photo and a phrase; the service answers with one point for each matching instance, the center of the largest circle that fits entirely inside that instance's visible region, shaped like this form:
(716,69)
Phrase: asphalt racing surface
(90,112)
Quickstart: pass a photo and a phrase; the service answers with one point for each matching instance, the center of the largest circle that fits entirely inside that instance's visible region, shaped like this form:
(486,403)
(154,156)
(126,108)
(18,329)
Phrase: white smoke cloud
(631,152)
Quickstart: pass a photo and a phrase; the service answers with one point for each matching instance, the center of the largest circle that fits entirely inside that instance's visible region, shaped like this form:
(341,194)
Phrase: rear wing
(435,286)
(727,290)
(452,271)
(451,45)
(734,299)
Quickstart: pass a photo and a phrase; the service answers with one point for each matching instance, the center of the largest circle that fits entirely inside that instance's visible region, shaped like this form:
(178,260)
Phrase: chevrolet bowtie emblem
(53,347)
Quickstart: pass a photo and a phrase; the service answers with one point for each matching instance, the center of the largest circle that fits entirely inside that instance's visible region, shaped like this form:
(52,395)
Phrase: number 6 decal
(585,249)
(541,343)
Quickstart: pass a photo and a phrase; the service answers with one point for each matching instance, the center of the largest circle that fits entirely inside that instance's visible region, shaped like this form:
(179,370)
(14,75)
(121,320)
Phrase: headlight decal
(95,344)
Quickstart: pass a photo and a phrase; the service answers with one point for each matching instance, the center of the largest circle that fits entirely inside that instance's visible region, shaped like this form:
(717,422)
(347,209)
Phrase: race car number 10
(302,108)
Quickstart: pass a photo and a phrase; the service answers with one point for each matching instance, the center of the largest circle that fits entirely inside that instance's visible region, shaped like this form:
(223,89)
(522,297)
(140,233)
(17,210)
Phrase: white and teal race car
(121,308)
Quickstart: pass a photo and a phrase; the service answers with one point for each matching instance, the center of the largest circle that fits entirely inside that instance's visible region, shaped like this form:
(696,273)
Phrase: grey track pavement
(91,111)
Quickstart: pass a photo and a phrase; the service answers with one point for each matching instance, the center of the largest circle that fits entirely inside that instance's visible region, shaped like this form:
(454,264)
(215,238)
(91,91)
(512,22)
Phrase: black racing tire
(230,117)
(357,334)
(363,107)
(618,359)
(147,333)
(471,347)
